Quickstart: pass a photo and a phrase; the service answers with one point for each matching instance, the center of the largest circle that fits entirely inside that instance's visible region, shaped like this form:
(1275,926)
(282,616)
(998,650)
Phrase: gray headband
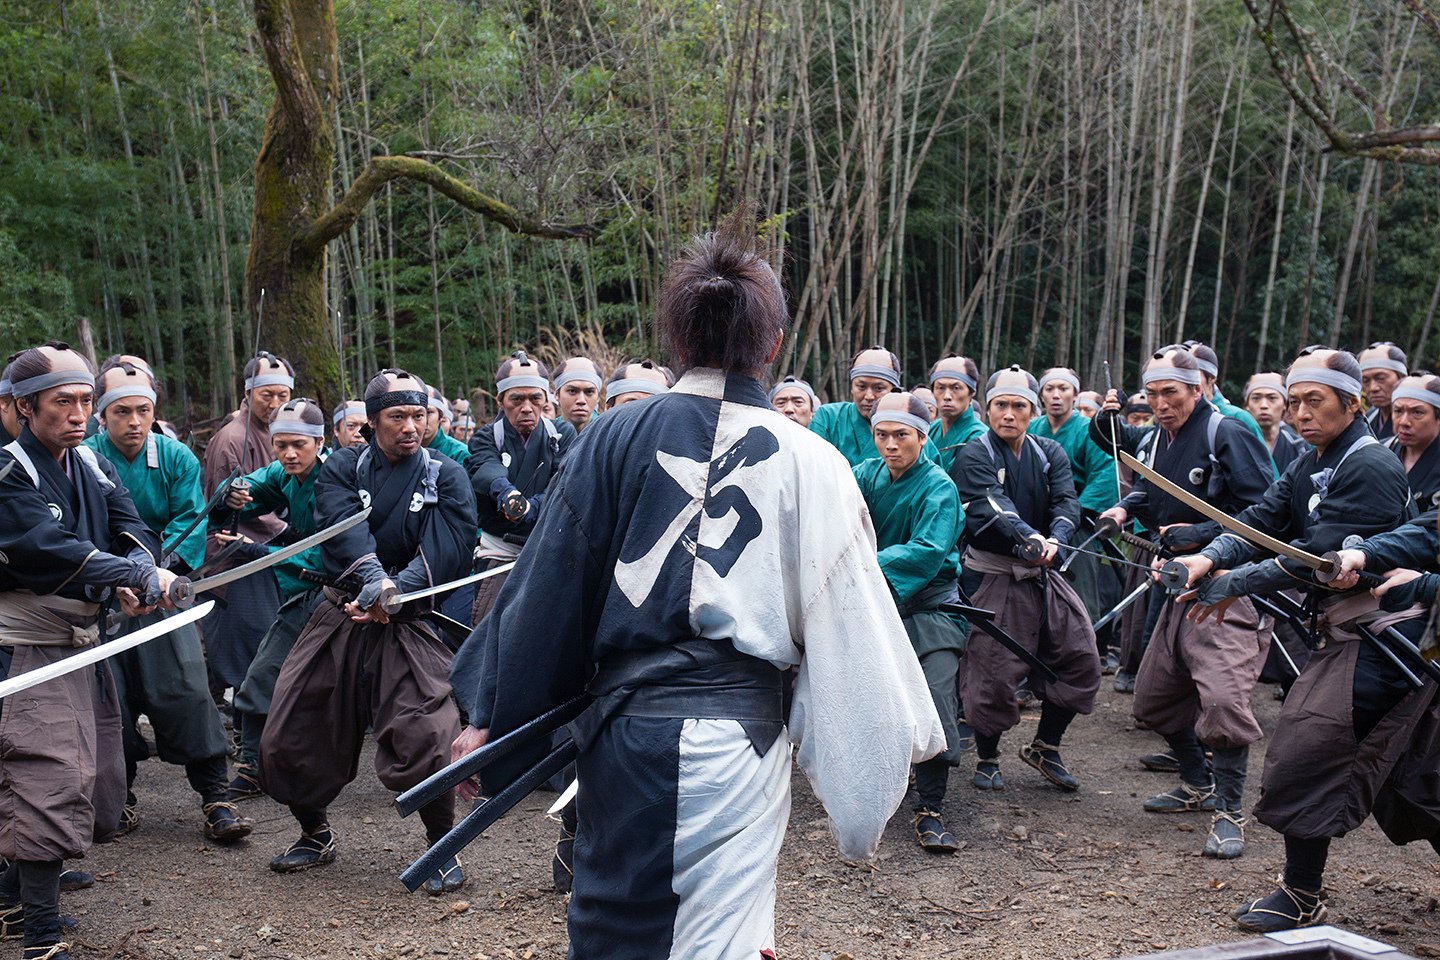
(964,378)
(5,389)
(634,385)
(800,385)
(1024,393)
(1063,377)
(903,417)
(1330,378)
(522,380)
(1252,387)
(1415,393)
(1152,374)
(440,405)
(47,381)
(354,408)
(1207,367)
(298,428)
(1385,363)
(570,376)
(140,390)
(875,370)
(272,379)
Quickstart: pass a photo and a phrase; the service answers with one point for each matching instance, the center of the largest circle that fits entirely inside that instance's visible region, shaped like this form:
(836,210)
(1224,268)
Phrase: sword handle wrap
(389,600)
(1331,570)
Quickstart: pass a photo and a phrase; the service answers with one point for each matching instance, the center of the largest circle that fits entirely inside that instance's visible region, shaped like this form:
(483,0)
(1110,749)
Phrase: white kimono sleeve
(862,712)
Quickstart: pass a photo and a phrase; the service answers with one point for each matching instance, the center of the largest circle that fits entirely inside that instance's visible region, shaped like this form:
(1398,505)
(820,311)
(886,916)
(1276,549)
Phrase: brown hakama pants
(342,676)
(1046,617)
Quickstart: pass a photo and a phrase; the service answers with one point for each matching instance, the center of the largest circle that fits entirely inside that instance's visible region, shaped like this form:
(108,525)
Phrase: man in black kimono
(71,544)
(360,661)
(1016,488)
(1264,399)
(1415,417)
(680,565)
(9,421)
(1349,715)
(1196,678)
(511,462)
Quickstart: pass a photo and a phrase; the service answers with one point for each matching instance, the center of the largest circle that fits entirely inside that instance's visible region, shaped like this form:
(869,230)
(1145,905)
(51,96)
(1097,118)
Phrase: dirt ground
(1043,874)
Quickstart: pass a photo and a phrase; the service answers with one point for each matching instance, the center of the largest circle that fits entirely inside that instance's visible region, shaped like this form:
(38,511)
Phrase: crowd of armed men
(1020,522)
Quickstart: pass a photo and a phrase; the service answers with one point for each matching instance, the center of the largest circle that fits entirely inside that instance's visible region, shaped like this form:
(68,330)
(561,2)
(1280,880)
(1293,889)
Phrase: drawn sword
(102,651)
(183,591)
(393,603)
(1124,604)
(1326,567)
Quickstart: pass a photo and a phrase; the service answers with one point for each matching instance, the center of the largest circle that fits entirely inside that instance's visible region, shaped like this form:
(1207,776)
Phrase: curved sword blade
(452,585)
(1242,530)
(270,560)
(102,651)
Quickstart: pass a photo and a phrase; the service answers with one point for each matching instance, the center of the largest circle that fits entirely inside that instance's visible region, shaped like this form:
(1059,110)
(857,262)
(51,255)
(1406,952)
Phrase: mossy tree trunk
(294,221)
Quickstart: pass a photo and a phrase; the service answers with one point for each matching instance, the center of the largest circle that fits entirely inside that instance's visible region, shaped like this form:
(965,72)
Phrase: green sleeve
(911,566)
(185,498)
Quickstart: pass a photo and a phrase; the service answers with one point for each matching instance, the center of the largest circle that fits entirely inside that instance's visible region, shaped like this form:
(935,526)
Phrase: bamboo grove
(1037,181)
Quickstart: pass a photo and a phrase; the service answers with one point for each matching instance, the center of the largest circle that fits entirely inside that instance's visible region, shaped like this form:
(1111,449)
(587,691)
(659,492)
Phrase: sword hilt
(389,600)
(1107,528)
(1331,570)
(1029,550)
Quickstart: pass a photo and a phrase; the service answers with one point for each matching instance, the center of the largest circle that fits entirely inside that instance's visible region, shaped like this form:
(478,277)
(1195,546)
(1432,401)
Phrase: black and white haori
(1020,509)
(1348,716)
(696,545)
(360,662)
(1196,678)
(70,541)
(512,459)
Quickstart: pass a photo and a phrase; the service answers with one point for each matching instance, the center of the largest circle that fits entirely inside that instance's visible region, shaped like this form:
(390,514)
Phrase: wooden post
(87,340)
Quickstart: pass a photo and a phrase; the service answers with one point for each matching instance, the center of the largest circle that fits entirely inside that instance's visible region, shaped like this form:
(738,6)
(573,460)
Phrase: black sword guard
(442,781)
(987,623)
(1029,550)
(484,816)
(1328,573)
(1174,576)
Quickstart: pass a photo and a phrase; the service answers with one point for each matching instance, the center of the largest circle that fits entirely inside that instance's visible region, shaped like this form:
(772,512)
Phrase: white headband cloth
(964,378)
(634,385)
(273,379)
(297,428)
(1384,363)
(1024,393)
(1252,387)
(902,417)
(352,409)
(1415,393)
(1324,375)
(800,385)
(442,406)
(5,389)
(48,381)
(1207,367)
(875,370)
(570,376)
(1180,374)
(522,380)
(140,390)
(1063,377)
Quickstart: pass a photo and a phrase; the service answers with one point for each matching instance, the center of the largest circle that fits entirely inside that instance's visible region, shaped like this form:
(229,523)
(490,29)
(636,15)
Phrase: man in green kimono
(846,424)
(164,679)
(284,489)
(436,437)
(917,518)
(1096,483)
(954,381)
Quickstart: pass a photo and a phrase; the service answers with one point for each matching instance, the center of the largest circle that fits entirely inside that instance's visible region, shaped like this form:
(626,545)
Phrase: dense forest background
(1032,181)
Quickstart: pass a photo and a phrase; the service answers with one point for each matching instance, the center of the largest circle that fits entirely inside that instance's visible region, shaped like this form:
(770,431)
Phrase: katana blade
(1240,529)
(102,651)
(182,590)
(564,799)
(210,505)
(1173,575)
(394,602)
(1123,605)
(985,620)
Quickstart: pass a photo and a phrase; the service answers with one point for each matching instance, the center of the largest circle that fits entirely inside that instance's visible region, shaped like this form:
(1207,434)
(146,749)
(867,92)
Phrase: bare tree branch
(382,170)
(1425,16)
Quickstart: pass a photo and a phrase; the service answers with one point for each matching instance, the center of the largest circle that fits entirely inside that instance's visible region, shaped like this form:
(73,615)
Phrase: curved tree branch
(382,170)
(297,96)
